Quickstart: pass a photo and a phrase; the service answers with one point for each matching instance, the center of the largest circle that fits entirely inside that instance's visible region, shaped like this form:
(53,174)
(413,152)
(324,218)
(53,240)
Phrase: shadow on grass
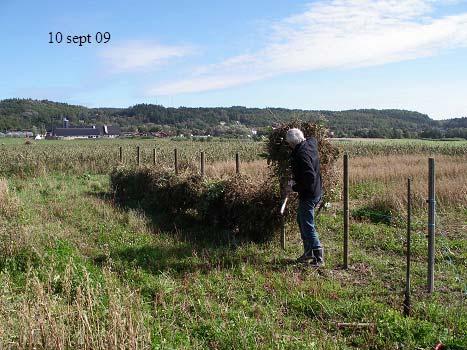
(157,259)
(201,247)
(183,225)
(154,259)
(281,264)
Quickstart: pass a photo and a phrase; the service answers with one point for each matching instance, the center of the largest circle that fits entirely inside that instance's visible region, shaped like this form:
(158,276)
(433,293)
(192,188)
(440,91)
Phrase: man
(307,182)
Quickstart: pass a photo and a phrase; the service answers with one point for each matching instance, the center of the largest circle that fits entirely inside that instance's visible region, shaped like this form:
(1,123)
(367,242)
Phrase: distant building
(18,134)
(111,131)
(160,134)
(75,133)
(103,131)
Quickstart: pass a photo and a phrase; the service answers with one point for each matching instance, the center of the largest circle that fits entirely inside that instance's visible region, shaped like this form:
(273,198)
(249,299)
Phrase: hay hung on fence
(278,154)
(245,206)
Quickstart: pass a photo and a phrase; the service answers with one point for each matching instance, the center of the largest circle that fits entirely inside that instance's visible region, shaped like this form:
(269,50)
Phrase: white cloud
(141,55)
(335,34)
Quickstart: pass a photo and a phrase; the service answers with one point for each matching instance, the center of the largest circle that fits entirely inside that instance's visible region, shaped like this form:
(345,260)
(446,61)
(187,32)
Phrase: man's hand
(288,188)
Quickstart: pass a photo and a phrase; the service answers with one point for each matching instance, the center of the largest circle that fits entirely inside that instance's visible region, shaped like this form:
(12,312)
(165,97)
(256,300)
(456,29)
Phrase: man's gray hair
(294,137)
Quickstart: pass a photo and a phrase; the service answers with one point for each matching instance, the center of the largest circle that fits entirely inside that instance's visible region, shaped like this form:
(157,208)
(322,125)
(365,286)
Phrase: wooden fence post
(120,154)
(237,163)
(154,156)
(202,164)
(138,156)
(176,161)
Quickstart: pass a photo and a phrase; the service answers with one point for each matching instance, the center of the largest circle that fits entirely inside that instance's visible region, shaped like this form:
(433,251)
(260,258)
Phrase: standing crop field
(99,156)
(79,271)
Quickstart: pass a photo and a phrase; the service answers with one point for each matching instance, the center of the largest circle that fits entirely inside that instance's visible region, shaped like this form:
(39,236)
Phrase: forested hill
(22,114)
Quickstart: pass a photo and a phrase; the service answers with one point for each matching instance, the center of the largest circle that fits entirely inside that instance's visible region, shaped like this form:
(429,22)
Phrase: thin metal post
(120,154)
(283,232)
(138,155)
(176,161)
(346,211)
(154,156)
(431,224)
(202,164)
(237,163)
(407,303)
(285,198)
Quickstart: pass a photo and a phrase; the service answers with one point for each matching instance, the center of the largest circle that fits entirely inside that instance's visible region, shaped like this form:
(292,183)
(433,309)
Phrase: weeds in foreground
(79,272)
(62,311)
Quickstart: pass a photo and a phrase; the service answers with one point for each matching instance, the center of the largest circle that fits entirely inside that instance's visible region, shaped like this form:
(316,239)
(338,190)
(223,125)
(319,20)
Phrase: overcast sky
(335,55)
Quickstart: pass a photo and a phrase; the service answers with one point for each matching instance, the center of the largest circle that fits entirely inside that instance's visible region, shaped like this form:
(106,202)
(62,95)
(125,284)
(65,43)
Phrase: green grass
(66,240)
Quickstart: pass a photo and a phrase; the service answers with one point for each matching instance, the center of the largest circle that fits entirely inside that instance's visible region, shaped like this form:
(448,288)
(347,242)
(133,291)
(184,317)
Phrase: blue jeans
(306,223)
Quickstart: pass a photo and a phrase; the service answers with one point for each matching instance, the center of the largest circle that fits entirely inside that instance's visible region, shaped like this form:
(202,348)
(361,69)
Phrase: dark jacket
(306,170)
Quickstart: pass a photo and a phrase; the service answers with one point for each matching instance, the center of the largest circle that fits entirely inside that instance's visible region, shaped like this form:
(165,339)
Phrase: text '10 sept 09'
(80,40)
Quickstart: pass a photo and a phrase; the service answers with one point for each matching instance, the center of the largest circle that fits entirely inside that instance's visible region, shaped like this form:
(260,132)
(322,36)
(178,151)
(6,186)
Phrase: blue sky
(336,54)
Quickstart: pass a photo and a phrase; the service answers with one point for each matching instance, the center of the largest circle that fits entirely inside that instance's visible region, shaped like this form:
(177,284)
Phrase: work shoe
(318,257)
(306,257)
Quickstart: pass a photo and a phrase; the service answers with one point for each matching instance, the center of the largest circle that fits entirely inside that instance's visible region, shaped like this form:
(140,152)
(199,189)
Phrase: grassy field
(79,272)
(34,158)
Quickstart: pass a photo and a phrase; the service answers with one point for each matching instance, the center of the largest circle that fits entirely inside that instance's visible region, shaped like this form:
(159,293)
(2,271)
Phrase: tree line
(236,121)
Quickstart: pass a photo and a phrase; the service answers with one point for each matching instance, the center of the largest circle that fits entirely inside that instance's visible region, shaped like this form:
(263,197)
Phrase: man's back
(306,169)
